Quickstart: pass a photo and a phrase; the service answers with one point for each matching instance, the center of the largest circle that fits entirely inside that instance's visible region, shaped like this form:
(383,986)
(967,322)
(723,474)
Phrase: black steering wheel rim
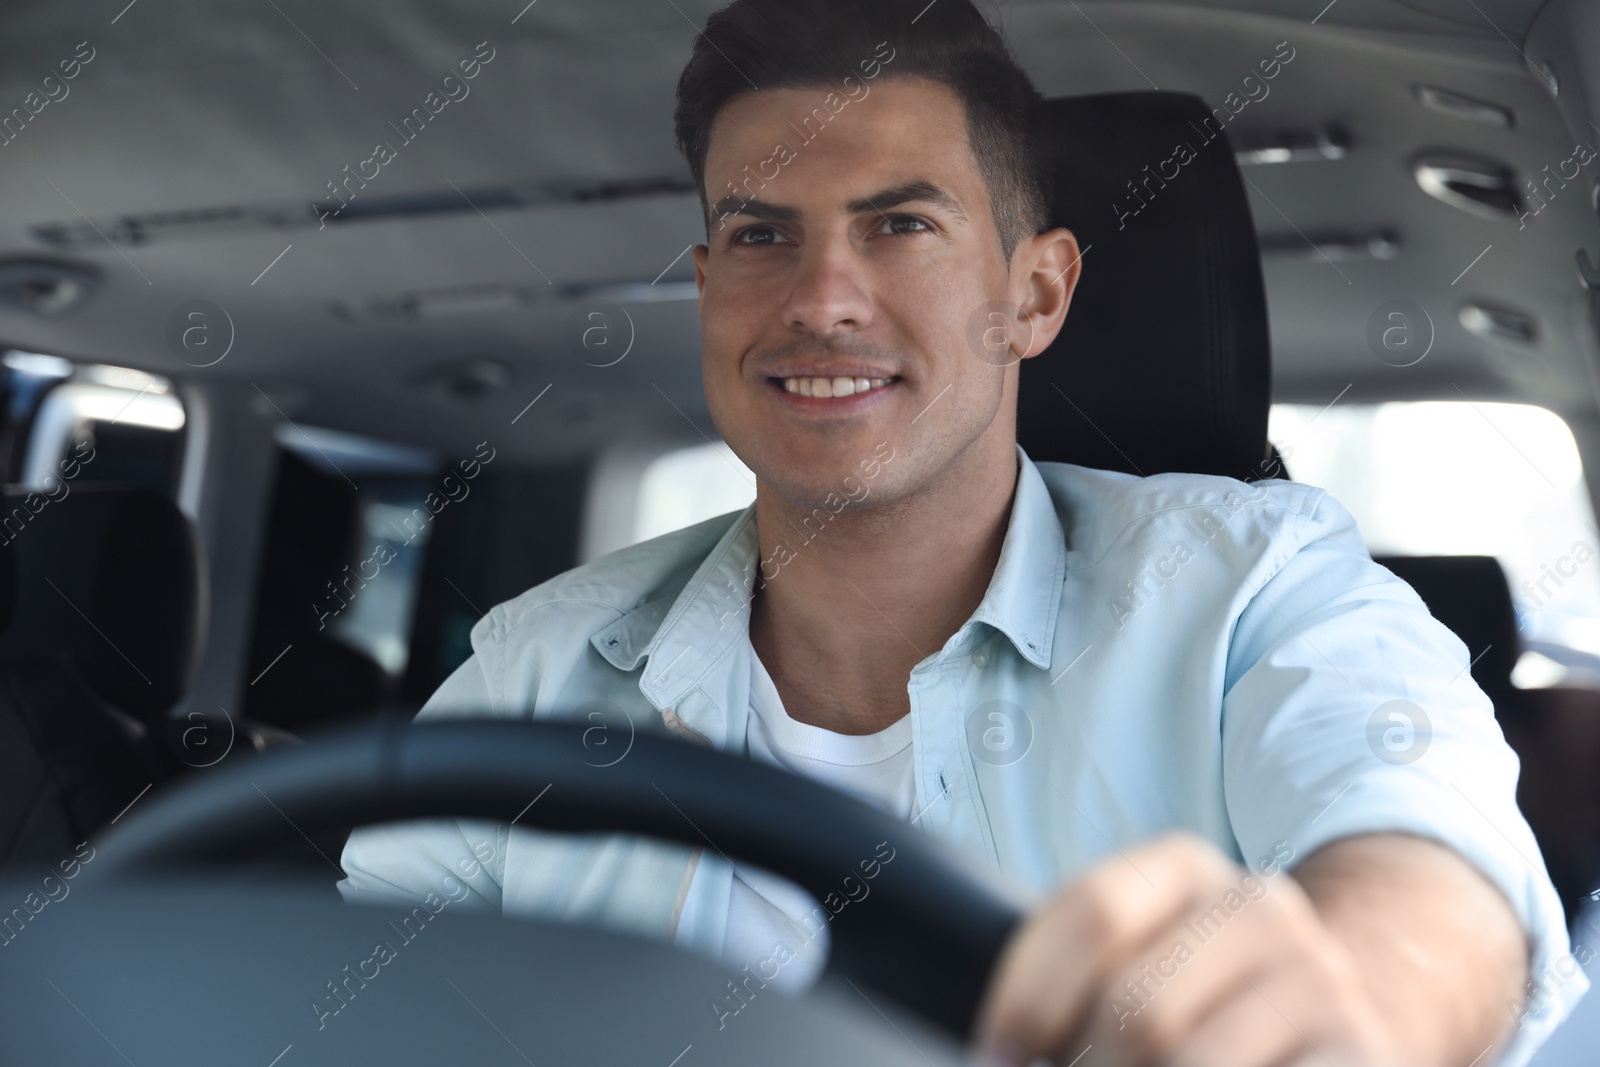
(927,932)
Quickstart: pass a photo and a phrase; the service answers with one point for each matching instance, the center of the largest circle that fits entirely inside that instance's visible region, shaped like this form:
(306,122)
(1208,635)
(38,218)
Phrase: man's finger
(1246,1030)
(1042,989)
(1153,1003)
(1266,1022)
(1241,931)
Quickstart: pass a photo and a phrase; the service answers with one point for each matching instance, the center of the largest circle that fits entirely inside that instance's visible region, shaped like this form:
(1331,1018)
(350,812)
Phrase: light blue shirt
(1178,651)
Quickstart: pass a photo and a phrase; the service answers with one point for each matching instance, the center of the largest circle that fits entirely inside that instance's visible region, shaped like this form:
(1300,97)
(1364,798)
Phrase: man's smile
(823,386)
(832,394)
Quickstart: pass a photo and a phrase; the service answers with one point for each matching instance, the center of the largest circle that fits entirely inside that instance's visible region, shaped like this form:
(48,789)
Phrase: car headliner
(188,107)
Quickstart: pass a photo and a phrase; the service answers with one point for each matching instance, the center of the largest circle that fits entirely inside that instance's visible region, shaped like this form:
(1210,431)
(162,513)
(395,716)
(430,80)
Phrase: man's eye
(758,235)
(901,224)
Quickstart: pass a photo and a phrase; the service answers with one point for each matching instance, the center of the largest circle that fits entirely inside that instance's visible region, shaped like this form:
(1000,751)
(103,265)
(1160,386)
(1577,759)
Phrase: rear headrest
(1471,596)
(111,578)
(1163,363)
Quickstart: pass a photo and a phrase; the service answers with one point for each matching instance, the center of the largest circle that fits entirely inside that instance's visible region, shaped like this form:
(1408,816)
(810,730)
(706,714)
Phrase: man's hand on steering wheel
(1173,953)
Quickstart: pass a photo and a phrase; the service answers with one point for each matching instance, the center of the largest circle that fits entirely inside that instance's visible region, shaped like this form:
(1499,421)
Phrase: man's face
(868,253)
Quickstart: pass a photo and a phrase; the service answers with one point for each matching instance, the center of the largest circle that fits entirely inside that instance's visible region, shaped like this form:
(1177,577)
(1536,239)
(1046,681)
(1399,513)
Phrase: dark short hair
(750,45)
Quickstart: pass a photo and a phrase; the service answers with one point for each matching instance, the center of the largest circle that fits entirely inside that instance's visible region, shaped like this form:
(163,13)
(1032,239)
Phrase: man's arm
(1438,946)
(1382,949)
(407,861)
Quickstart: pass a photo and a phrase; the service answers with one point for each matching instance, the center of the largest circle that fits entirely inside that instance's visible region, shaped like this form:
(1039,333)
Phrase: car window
(91,423)
(689,485)
(1463,478)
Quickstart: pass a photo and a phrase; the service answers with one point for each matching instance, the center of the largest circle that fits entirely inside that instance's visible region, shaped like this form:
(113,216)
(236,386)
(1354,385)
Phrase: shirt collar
(685,638)
(682,636)
(1024,595)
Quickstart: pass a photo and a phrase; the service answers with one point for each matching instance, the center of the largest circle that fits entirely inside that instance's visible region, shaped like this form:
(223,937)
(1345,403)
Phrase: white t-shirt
(765,909)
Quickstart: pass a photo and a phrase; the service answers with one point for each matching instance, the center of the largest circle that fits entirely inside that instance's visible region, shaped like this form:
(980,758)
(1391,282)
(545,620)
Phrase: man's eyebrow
(760,209)
(885,199)
(877,203)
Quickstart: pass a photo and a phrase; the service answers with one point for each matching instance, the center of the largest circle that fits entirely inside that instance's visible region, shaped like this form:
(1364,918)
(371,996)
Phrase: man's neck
(858,599)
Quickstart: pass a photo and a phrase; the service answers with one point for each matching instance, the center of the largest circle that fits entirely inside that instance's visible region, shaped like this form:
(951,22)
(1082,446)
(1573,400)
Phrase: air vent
(1476,185)
(1588,273)
(1290,146)
(1335,246)
(1546,73)
(1498,324)
(1463,107)
(467,379)
(45,287)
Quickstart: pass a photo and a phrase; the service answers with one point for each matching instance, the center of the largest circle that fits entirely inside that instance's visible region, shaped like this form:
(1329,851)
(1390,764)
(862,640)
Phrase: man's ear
(1044,273)
(700,253)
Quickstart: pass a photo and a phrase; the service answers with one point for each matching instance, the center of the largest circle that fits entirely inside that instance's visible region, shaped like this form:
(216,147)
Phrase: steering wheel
(927,933)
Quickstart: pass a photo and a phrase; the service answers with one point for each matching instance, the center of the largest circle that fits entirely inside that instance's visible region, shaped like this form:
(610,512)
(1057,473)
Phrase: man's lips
(832,385)
(833,393)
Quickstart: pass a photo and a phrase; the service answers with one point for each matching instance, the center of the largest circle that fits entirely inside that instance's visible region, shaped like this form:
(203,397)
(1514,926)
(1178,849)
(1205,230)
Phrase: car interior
(244,379)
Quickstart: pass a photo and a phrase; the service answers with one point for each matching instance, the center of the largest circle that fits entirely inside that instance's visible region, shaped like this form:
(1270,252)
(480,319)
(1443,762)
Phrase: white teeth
(831,387)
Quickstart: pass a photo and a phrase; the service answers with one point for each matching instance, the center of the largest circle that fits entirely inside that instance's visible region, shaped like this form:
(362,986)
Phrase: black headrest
(1471,596)
(110,578)
(1163,364)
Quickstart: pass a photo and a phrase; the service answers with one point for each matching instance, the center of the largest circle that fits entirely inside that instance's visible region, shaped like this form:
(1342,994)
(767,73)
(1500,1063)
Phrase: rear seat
(102,610)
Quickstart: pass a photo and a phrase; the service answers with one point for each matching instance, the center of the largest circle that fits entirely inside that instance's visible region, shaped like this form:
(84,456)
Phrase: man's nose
(829,293)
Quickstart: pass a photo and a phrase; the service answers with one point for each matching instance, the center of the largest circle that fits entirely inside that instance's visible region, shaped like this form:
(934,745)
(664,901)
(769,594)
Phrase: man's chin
(835,479)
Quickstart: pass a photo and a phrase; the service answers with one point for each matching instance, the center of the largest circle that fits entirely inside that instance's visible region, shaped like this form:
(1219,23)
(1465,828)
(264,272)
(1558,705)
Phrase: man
(908,581)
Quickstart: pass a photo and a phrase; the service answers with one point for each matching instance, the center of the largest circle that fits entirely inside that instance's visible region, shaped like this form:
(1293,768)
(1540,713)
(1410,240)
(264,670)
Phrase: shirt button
(980,658)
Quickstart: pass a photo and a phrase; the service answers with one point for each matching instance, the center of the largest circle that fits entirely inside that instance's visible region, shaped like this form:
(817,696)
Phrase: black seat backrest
(111,578)
(312,545)
(105,618)
(1471,596)
(1163,363)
